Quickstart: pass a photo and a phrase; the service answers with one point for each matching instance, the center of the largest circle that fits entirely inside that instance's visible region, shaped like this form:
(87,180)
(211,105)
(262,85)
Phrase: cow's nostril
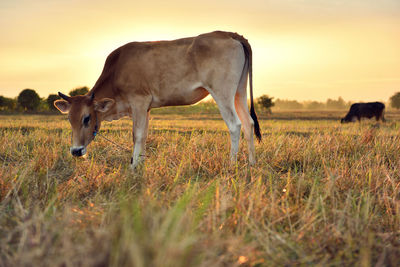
(77,152)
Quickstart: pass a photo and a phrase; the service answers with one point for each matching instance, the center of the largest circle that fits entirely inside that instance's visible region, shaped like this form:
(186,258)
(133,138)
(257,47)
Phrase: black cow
(365,110)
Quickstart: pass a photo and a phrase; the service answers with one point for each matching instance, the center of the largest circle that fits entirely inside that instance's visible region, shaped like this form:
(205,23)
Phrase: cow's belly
(369,116)
(180,97)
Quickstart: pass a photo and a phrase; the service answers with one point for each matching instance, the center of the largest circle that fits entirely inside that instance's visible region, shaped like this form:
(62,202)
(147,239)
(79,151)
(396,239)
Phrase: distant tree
(336,104)
(43,105)
(79,91)
(315,105)
(28,99)
(7,103)
(50,100)
(266,103)
(288,104)
(395,100)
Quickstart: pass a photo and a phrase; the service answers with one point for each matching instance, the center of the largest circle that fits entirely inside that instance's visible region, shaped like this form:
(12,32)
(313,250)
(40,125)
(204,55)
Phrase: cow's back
(169,70)
(378,106)
(371,109)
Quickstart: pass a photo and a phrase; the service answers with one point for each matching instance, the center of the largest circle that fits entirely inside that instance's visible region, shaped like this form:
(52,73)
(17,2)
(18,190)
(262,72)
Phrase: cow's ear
(62,105)
(103,105)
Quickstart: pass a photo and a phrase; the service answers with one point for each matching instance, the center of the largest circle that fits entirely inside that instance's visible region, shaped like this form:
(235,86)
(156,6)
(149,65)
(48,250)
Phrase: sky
(302,49)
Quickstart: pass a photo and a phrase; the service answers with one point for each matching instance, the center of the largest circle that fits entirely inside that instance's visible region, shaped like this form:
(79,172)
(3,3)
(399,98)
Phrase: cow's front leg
(140,116)
(140,126)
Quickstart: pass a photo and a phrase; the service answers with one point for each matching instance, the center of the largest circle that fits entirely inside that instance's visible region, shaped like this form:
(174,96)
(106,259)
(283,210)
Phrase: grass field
(321,194)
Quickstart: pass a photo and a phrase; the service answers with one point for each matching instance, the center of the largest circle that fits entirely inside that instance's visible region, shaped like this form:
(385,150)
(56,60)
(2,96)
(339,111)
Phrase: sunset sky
(302,49)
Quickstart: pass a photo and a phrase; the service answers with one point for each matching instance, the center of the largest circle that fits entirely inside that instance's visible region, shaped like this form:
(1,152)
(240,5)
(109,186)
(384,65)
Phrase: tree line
(29,101)
(338,103)
(265,103)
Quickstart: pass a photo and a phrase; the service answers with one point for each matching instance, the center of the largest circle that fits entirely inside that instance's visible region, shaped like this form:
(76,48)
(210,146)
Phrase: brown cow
(140,76)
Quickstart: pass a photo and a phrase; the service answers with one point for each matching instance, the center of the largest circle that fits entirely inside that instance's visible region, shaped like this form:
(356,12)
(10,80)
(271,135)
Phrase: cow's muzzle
(78,151)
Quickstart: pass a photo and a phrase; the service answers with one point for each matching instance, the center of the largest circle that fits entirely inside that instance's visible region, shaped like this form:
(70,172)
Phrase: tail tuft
(257,131)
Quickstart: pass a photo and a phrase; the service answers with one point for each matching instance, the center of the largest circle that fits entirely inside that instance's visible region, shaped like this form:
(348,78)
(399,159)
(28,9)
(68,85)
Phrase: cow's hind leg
(227,109)
(381,116)
(222,83)
(244,115)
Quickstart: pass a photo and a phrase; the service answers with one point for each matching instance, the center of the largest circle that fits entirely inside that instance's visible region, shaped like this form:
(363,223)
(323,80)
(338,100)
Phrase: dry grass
(321,194)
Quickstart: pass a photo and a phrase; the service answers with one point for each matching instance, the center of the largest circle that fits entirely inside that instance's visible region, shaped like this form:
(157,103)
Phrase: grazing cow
(365,110)
(140,76)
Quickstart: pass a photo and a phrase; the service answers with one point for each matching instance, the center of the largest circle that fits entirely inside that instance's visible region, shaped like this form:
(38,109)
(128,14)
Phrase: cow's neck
(119,109)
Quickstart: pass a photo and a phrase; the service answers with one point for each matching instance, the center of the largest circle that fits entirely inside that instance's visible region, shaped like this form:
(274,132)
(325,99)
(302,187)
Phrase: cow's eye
(86,120)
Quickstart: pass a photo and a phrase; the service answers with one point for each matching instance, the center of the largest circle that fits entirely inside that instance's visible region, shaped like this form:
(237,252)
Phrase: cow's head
(348,119)
(84,114)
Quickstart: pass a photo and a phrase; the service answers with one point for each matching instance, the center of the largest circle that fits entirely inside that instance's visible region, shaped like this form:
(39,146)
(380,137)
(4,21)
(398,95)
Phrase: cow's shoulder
(135,48)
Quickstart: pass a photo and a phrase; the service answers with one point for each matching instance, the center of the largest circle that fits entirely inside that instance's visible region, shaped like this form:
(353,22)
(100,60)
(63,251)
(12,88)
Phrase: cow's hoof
(136,164)
(133,166)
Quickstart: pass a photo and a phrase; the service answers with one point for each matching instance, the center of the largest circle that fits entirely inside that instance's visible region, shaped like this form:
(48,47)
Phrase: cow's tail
(249,58)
